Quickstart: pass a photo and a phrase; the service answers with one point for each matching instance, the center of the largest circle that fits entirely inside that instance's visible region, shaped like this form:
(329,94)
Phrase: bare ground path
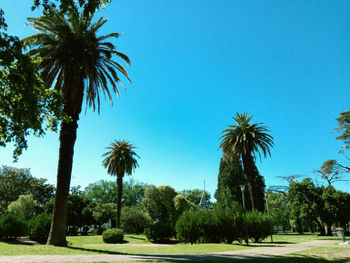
(264,250)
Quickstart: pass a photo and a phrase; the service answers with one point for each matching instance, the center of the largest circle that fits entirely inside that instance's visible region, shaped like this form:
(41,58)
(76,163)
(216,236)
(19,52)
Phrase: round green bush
(39,227)
(113,235)
(159,232)
(134,220)
(11,226)
(258,226)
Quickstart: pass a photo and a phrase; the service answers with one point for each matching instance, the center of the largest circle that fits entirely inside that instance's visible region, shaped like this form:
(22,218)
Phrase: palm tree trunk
(119,199)
(248,165)
(57,235)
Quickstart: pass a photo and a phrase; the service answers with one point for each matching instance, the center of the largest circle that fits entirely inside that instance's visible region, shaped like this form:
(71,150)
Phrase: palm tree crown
(120,158)
(73,57)
(246,138)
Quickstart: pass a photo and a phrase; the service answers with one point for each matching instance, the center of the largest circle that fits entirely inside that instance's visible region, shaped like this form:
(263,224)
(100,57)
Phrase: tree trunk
(119,199)
(248,165)
(72,107)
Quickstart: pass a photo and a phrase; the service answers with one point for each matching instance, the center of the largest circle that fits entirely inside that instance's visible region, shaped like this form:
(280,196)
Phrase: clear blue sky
(194,65)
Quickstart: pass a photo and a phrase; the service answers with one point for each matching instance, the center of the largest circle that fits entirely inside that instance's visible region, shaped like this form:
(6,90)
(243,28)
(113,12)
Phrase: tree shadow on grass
(100,251)
(201,258)
(138,238)
(23,242)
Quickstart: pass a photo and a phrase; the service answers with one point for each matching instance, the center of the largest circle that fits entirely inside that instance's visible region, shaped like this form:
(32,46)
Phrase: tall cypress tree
(231,176)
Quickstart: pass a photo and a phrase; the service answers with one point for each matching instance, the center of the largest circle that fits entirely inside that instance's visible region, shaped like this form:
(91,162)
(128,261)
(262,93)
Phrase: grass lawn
(138,244)
(297,238)
(134,244)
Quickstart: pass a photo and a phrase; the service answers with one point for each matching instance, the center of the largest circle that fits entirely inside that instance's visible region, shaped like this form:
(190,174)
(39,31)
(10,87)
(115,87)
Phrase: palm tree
(120,159)
(74,61)
(245,140)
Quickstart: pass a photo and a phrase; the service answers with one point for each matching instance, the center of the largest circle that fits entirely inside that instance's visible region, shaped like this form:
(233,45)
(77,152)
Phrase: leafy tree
(230,177)
(198,197)
(279,209)
(245,140)
(344,129)
(102,191)
(64,5)
(305,203)
(24,206)
(25,103)
(133,193)
(159,203)
(331,171)
(74,61)
(80,213)
(120,160)
(104,213)
(18,181)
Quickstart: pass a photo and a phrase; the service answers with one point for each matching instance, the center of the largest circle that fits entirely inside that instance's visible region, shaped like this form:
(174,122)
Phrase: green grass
(297,238)
(137,244)
(95,245)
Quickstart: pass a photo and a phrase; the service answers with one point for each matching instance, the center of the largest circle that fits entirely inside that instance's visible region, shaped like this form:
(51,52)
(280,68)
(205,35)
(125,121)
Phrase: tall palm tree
(120,160)
(245,139)
(74,61)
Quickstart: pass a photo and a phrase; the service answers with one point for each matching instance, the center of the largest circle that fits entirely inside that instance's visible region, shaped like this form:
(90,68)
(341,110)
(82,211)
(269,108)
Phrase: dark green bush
(159,232)
(231,224)
(12,226)
(99,230)
(39,227)
(209,226)
(258,226)
(187,226)
(134,220)
(113,235)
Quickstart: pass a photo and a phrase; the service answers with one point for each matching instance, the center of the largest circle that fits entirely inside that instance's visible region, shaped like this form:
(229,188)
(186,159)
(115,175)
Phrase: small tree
(120,160)
(24,206)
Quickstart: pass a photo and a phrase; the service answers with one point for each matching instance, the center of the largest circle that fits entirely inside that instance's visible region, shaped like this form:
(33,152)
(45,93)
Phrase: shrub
(258,226)
(134,220)
(231,224)
(113,235)
(11,226)
(187,226)
(209,226)
(99,230)
(39,227)
(159,232)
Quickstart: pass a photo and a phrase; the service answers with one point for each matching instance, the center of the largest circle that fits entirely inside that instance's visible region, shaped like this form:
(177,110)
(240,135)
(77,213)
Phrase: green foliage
(244,140)
(15,182)
(344,129)
(25,104)
(279,210)
(187,226)
(39,227)
(99,230)
(24,206)
(89,6)
(159,203)
(106,192)
(258,226)
(198,197)
(134,220)
(11,226)
(159,232)
(222,224)
(113,235)
(230,177)
(104,213)
(79,214)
